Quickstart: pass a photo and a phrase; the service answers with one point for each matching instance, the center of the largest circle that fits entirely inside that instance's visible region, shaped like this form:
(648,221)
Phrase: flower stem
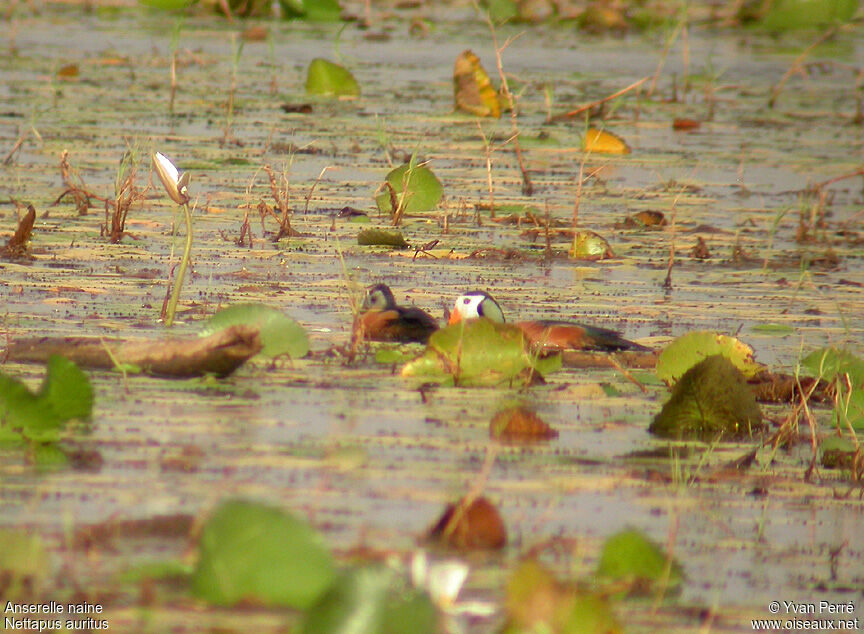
(181,274)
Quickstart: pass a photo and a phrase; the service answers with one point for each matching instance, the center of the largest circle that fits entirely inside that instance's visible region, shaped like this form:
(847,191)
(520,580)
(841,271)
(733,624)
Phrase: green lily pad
(538,602)
(787,15)
(65,394)
(424,189)
(389,355)
(380,237)
(168,5)
(632,558)
(311,10)
(21,410)
(589,245)
(23,563)
(501,10)
(838,453)
(711,399)
(479,352)
(353,604)
(773,329)
(67,389)
(590,614)
(688,350)
(329,79)
(279,333)
(368,600)
(250,551)
(48,456)
(849,410)
(829,363)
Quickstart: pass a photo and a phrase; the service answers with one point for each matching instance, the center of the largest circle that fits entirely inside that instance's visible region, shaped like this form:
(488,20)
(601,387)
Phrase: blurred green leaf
(250,551)
(393,354)
(311,10)
(631,557)
(21,410)
(773,329)
(711,399)
(326,78)
(23,563)
(67,389)
(787,15)
(380,237)
(424,189)
(688,350)
(279,333)
(849,410)
(370,600)
(501,10)
(589,245)
(168,5)
(829,363)
(47,456)
(478,352)
(353,605)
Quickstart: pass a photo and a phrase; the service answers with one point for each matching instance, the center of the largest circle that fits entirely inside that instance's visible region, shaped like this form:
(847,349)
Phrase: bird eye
(466,301)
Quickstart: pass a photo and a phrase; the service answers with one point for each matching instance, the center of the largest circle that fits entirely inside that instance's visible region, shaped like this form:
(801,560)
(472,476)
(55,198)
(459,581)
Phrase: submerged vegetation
(297,472)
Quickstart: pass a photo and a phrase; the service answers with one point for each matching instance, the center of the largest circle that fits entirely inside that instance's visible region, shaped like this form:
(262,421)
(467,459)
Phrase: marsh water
(368,458)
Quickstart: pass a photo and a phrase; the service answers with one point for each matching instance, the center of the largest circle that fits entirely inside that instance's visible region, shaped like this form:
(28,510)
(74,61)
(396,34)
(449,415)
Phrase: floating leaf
(23,563)
(829,363)
(501,10)
(67,389)
(519,424)
(635,560)
(603,142)
(65,394)
(838,453)
(688,350)
(250,551)
(380,237)
(476,525)
(589,245)
(354,603)
(472,88)
(787,15)
(326,78)
(278,332)
(533,595)
(711,399)
(311,10)
(367,600)
(849,410)
(249,8)
(590,614)
(48,456)
(168,5)
(478,352)
(390,355)
(21,410)
(424,189)
(538,602)
(773,329)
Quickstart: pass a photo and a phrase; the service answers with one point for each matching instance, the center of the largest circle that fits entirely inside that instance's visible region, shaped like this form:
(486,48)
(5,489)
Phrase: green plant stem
(181,274)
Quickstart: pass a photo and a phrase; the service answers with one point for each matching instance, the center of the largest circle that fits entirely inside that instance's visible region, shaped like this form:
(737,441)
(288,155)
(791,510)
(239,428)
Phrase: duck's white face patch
(468,306)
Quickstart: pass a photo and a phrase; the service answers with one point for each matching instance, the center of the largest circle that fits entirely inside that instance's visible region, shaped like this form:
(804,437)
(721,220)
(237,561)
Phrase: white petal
(174,184)
(445,580)
(167,167)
